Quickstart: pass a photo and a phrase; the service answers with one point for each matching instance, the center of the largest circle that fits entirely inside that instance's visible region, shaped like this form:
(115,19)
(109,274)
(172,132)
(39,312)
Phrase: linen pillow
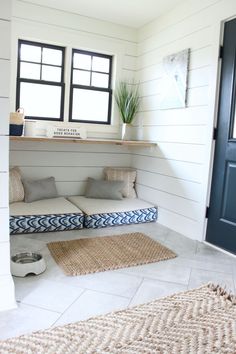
(128,175)
(40,189)
(16,188)
(102,189)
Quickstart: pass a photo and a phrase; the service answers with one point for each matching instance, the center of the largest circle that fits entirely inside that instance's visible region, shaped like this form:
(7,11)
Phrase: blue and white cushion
(96,221)
(24,224)
(55,214)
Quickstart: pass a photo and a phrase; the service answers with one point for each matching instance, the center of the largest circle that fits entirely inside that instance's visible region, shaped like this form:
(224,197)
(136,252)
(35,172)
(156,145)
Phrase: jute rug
(200,321)
(91,255)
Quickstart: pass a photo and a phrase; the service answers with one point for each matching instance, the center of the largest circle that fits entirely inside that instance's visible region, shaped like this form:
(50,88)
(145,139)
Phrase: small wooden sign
(66,131)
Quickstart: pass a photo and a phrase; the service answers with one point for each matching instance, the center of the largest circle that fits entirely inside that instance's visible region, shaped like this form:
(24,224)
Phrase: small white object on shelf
(30,128)
(66,131)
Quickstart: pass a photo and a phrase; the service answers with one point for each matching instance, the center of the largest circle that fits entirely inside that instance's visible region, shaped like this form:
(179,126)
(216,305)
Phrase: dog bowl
(25,263)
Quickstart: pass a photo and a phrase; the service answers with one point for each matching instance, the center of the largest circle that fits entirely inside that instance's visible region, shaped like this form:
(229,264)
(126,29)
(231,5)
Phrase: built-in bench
(60,214)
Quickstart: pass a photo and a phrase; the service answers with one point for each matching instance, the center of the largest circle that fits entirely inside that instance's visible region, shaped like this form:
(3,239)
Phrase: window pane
(30,53)
(30,71)
(101,64)
(81,77)
(90,105)
(40,100)
(51,73)
(52,56)
(100,80)
(82,61)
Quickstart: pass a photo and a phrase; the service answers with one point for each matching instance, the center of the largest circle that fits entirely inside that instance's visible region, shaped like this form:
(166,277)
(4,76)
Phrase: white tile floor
(52,298)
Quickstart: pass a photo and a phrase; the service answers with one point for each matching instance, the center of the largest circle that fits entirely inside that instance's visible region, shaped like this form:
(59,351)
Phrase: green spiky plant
(128,100)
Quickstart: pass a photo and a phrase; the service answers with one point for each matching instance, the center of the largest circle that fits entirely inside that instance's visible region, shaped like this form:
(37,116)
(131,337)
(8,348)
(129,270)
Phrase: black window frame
(40,81)
(90,87)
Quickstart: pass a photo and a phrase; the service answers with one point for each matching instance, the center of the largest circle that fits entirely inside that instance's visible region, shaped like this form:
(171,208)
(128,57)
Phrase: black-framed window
(40,80)
(90,93)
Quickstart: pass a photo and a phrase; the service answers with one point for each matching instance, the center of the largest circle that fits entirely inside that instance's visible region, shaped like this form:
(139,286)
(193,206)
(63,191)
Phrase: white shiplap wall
(71,164)
(176,175)
(7,300)
(43,24)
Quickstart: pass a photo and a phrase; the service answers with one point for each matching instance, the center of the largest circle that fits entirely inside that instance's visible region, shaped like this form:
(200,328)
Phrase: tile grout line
(190,274)
(35,306)
(136,291)
(62,313)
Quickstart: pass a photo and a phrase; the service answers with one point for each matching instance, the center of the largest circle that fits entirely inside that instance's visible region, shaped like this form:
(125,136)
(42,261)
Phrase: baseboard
(7,293)
(219,249)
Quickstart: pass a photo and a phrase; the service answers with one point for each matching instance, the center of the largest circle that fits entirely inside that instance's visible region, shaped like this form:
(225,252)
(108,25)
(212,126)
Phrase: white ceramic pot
(126,131)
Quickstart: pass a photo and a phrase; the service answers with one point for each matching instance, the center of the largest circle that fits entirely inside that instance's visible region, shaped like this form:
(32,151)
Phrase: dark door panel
(221,228)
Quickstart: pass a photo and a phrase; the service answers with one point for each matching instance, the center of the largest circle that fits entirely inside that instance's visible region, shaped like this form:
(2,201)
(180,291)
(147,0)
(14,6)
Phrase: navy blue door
(221,229)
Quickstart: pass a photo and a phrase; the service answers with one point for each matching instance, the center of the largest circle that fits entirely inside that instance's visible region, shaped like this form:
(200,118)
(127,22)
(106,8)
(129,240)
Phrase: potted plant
(128,100)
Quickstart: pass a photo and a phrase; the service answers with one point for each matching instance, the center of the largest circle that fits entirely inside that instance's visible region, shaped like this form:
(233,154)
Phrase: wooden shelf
(137,143)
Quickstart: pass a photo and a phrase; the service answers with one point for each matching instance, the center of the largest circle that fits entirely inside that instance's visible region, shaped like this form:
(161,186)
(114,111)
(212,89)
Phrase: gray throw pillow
(102,189)
(39,189)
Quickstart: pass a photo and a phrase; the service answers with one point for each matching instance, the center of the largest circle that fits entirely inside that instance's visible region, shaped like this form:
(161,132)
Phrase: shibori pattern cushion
(128,175)
(16,188)
(103,213)
(56,214)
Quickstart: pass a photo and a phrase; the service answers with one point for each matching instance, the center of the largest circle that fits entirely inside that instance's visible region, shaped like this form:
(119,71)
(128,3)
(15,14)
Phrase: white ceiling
(132,13)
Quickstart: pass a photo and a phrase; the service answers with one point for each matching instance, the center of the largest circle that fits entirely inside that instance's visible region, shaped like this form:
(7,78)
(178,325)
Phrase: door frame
(216,77)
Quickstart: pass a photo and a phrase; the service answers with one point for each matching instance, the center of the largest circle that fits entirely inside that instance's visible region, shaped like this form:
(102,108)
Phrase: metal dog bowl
(26,263)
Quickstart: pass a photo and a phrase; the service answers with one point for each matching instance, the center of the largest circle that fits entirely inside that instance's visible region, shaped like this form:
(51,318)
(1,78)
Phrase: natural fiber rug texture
(200,321)
(91,255)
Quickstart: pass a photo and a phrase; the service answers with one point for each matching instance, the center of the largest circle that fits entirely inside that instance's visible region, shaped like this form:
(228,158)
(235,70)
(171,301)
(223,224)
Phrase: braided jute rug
(91,255)
(200,321)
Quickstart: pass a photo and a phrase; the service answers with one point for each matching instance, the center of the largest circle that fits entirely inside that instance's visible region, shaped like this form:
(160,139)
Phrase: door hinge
(221,49)
(215,131)
(207,212)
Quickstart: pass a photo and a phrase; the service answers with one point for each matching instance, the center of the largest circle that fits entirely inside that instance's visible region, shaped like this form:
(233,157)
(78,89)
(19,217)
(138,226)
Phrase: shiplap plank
(173,203)
(181,116)
(194,41)
(195,97)
(181,224)
(198,58)
(197,77)
(4,258)
(5,78)
(4,114)
(175,151)
(175,134)
(5,9)
(4,39)
(4,217)
(4,153)
(3,190)
(177,169)
(68,20)
(70,188)
(45,158)
(67,147)
(129,62)
(61,173)
(181,13)
(177,32)
(184,189)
